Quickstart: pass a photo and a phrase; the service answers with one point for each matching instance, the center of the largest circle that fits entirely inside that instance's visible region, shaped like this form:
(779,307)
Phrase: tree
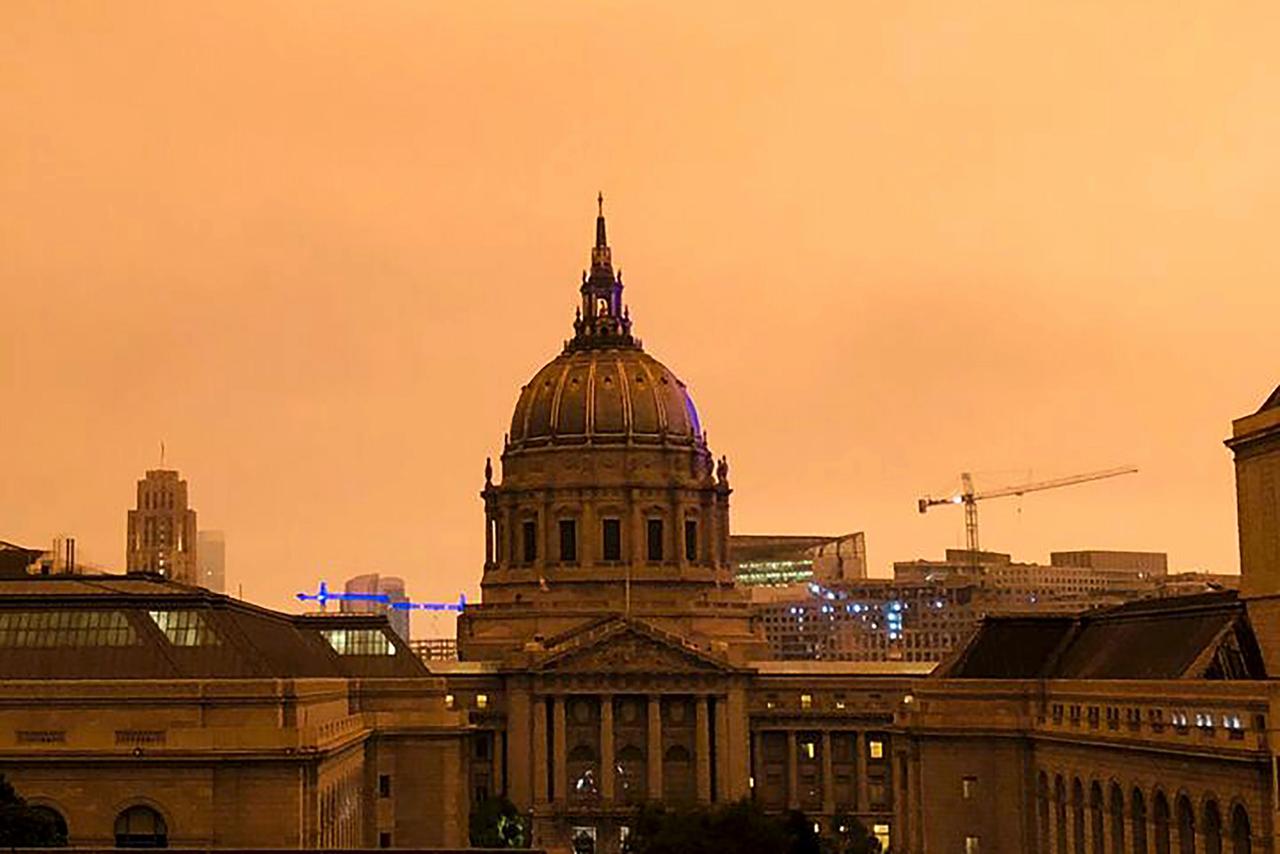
(24,826)
(496,823)
(850,836)
(741,828)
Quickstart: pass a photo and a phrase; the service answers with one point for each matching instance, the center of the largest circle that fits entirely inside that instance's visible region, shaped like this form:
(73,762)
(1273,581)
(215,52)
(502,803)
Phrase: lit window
(449,701)
(840,704)
(45,629)
(875,748)
(808,749)
(482,701)
(359,641)
(806,701)
(881,833)
(185,628)
(971,845)
(968,786)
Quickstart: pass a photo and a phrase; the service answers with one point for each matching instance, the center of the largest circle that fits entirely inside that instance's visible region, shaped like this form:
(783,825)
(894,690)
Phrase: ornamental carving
(631,653)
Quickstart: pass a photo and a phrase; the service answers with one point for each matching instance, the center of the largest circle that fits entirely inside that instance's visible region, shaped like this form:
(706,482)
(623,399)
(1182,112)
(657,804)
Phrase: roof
(146,627)
(1204,636)
(843,668)
(1272,402)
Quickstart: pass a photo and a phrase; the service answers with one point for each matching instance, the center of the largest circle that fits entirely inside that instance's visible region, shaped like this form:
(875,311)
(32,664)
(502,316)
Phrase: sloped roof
(1183,637)
(1272,402)
(108,631)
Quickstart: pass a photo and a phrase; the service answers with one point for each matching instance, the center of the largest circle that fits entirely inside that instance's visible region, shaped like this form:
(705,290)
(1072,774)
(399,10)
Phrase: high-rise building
(211,550)
(375,586)
(778,559)
(162,529)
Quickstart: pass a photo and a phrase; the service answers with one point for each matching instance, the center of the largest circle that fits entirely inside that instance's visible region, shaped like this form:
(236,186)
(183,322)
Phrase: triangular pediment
(626,646)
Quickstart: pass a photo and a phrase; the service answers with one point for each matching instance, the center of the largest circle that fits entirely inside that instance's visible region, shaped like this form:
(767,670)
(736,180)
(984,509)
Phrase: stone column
(702,748)
(737,754)
(793,770)
(828,776)
(519,757)
(720,752)
(654,754)
(606,747)
(561,753)
(500,762)
(540,758)
(860,766)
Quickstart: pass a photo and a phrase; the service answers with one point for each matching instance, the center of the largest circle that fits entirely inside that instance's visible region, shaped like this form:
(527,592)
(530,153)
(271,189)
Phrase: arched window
(141,827)
(1077,816)
(678,782)
(1241,837)
(1212,828)
(1138,816)
(1160,819)
(1096,834)
(1060,815)
(584,776)
(1116,810)
(1186,825)
(54,819)
(630,775)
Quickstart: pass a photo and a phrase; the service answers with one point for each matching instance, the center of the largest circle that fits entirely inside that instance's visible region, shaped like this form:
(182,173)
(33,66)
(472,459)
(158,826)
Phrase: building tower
(1255,442)
(609,501)
(162,529)
(211,547)
(373,585)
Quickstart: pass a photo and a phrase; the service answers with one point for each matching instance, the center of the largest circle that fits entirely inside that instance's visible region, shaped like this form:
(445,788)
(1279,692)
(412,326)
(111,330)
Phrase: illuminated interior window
(875,748)
(808,749)
(806,701)
(881,832)
(185,628)
(968,786)
(359,641)
(971,845)
(449,701)
(482,701)
(46,629)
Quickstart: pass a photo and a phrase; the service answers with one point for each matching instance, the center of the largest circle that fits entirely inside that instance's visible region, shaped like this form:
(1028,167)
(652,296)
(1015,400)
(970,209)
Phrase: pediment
(628,649)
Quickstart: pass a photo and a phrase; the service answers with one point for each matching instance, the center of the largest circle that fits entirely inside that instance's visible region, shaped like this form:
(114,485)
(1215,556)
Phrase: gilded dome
(604,396)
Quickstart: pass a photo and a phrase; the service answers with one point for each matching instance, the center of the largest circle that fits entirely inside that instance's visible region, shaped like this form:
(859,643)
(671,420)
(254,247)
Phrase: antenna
(162,453)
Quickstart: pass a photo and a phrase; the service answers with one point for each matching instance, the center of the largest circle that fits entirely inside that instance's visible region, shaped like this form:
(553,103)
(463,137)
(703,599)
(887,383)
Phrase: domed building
(609,501)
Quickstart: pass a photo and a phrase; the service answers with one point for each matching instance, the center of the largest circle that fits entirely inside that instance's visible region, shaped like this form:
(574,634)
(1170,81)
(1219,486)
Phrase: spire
(601,242)
(601,257)
(602,319)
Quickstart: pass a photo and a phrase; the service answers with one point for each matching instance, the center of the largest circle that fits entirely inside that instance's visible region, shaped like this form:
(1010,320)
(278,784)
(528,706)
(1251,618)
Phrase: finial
(600,204)
(488,471)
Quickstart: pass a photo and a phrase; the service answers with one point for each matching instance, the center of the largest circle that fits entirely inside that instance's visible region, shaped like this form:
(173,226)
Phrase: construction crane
(969,497)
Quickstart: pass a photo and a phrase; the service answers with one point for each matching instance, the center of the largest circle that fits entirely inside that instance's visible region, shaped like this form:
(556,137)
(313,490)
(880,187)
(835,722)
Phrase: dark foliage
(22,825)
(496,823)
(739,827)
(850,836)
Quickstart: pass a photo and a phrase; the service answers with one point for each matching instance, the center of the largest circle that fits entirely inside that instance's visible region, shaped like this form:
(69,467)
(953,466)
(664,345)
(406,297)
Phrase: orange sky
(317,247)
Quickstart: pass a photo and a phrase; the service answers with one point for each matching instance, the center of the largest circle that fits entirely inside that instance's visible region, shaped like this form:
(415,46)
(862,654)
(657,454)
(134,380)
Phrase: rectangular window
(384,785)
(875,748)
(971,845)
(690,540)
(806,701)
(968,787)
(881,832)
(568,541)
(384,839)
(482,701)
(611,531)
(529,534)
(655,540)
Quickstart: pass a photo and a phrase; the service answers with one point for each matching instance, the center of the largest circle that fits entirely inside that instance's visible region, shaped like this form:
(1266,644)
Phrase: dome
(610,395)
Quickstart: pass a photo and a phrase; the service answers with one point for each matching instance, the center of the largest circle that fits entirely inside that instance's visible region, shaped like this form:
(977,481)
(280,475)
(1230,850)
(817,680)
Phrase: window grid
(359,641)
(185,628)
(49,629)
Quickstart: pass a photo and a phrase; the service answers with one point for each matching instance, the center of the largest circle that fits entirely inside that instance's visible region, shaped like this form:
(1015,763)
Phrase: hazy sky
(316,247)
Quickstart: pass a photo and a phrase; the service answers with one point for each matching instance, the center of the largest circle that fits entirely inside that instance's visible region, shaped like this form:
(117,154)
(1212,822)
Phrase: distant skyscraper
(385,585)
(162,529)
(211,549)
